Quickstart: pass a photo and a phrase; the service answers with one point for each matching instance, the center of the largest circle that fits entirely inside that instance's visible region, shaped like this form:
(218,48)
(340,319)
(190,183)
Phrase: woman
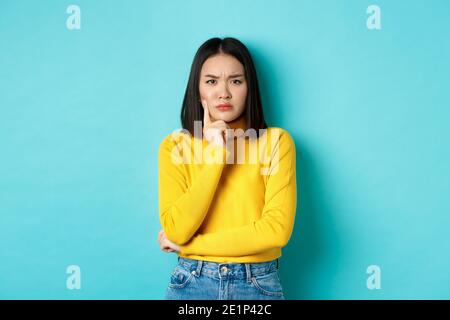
(226,215)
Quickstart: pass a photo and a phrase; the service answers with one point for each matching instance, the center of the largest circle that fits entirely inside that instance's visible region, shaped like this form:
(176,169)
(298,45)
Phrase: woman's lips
(224,107)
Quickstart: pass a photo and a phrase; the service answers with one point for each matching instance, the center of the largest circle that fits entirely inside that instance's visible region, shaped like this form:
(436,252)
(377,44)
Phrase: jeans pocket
(180,278)
(268,284)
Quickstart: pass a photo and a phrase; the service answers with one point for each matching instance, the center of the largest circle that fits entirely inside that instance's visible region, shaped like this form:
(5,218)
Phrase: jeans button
(224,269)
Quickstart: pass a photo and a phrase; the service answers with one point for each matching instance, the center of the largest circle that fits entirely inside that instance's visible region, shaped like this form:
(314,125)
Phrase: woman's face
(222,81)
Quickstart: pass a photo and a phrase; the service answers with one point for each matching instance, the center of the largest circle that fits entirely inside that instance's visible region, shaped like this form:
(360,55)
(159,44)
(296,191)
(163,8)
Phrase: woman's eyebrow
(231,76)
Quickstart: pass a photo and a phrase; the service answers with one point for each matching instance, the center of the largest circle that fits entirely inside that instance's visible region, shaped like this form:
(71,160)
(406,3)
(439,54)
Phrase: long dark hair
(192,109)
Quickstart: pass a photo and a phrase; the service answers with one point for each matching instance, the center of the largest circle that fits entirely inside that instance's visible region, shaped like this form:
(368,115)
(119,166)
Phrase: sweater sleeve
(275,226)
(183,207)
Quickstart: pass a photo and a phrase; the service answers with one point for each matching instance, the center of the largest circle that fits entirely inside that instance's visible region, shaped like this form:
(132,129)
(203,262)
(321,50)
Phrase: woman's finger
(206,117)
(218,124)
(166,247)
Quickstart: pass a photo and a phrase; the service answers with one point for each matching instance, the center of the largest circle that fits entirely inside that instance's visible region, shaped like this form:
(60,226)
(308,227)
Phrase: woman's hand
(165,244)
(215,132)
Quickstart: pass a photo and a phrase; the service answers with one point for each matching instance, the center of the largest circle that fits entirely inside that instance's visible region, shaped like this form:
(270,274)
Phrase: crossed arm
(183,209)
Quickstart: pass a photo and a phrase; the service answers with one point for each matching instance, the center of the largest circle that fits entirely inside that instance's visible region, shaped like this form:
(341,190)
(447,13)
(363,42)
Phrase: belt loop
(199,267)
(277,264)
(248,271)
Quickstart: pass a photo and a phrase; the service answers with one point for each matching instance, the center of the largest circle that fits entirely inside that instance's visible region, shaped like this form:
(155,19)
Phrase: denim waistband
(228,269)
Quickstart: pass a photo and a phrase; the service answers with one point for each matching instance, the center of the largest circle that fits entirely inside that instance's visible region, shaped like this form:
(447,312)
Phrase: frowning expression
(224,87)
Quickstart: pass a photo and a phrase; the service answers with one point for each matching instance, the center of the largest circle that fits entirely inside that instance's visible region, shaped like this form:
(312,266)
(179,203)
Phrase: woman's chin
(224,118)
(228,117)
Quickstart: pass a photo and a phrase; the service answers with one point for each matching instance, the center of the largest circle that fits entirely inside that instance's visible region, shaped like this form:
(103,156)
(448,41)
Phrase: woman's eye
(210,80)
(238,81)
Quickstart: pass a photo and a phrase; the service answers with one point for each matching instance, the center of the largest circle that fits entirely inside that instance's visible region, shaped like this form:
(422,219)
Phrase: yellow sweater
(242,211)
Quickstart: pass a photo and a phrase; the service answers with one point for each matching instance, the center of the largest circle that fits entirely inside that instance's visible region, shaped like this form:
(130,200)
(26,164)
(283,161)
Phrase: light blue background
(83,113)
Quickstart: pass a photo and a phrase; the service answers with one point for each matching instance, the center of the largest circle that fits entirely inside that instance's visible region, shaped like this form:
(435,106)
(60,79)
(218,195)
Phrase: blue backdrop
(83,112)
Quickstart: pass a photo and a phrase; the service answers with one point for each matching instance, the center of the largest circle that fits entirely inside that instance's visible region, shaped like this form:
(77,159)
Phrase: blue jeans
(206,280)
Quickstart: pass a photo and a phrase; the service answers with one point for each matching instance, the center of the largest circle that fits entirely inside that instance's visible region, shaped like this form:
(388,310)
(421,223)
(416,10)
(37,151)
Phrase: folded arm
(275,226)
(182,208)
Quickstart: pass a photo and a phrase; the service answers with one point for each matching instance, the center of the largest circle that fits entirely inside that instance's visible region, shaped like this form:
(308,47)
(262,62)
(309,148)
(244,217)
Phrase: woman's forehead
(220,65)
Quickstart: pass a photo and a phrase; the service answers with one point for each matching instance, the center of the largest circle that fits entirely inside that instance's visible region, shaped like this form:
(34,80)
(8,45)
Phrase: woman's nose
(224,93)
